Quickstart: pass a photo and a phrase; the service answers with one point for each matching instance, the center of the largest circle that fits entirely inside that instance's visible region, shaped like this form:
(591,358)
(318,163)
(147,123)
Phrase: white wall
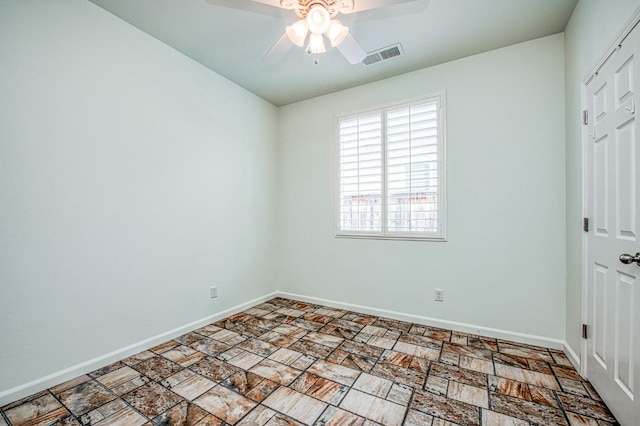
(593,27)
(131,180)
(503,266)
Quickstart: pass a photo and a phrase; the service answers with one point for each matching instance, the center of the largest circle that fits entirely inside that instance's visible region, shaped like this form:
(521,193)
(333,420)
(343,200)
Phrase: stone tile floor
(286,362)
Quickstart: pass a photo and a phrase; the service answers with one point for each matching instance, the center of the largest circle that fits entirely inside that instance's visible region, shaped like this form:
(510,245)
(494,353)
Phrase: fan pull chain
(316,57)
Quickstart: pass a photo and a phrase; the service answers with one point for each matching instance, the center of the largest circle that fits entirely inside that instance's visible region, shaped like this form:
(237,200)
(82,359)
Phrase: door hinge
(584,331)
(585,117)
(585,224)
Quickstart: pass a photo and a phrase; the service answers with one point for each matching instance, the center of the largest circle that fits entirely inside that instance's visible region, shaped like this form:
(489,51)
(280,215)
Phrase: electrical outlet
(214,292)
(439,295)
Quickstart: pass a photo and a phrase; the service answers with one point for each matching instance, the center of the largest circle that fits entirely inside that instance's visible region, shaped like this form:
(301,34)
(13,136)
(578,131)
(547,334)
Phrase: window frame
(384,234)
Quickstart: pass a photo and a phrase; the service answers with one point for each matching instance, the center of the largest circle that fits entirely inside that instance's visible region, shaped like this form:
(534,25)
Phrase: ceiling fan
(317,21)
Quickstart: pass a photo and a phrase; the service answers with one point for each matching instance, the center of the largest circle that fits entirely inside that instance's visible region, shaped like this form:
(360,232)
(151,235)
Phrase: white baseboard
(434,322)
(74,371)
(573,357)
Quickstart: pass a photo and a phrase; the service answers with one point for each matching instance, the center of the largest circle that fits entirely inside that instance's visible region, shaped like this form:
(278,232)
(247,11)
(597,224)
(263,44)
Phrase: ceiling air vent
(383,54)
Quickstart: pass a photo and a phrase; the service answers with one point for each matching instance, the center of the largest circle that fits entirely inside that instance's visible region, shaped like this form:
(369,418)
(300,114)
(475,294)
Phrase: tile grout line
(4,417)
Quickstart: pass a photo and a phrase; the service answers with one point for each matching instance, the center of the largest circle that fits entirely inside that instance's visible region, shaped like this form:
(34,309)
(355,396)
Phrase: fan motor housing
(333,6)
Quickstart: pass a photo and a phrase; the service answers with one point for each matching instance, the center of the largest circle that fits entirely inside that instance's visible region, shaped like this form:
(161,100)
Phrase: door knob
(627,258)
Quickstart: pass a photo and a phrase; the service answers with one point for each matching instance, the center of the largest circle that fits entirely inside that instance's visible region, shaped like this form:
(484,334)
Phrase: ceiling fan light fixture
(297,32)
(316,44)
(336,32)
(318,19)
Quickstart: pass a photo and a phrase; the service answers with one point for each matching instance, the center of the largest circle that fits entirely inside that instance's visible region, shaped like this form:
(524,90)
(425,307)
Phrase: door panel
(625,307)
(626,181)
(612,201)
(600,315)
(601,190)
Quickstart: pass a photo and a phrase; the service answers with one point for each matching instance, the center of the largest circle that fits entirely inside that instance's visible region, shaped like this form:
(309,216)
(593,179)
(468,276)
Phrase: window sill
(440,239)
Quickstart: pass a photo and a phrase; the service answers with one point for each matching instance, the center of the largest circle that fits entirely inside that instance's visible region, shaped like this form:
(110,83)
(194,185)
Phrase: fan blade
(275,3)
(278,50)
(351,50)
(360,5)
(248,6)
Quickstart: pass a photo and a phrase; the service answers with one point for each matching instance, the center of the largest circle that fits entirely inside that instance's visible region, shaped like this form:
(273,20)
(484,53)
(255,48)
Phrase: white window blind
(390,178)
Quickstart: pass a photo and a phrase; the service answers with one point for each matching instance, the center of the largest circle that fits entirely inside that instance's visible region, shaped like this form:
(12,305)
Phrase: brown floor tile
(357,362)
(69,384)
(42,410)
(296,405)
(476,364)
(573,386)
(209,346)
(461,375)
(214,369)
(334,416)
(304,382)
(543,396)
(578,420)
(152,399)
(259,416)
(334,372)
(416,418)
(540,354)
(242,382)
(361,349)
(193,387)
(373,385)
(509,387)
(123,380)
(285,356)
(125,417)
(491,418)
(157,368)
(468,351)
(373,408)
(397,358)
(527,376)
(225,404)
(437,385)
(399,374)
(187,339)
(245,360)
(585,406)
(183,414)
(314,349)
(85,397)
(469,394)
(400,394)
(526,410)
(445,408)
(327,391)
(262,390)
(276,372)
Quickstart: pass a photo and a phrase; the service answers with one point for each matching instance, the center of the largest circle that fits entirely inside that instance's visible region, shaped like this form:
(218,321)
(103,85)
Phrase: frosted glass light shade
(298,32)
(318,19)
(316,44)
(336,32)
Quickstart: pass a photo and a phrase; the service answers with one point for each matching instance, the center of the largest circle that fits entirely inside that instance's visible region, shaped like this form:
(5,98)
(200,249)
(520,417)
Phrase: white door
(612,179)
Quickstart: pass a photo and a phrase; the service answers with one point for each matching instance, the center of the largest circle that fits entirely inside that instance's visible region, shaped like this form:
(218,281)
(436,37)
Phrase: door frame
(629,26)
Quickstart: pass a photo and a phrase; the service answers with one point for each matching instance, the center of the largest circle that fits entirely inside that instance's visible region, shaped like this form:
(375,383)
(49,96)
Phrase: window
(391,172)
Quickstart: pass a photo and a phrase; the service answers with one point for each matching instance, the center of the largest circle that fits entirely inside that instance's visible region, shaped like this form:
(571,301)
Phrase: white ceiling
(231,36)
